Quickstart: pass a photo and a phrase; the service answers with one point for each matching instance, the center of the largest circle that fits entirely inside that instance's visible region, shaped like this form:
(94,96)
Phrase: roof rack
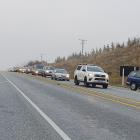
(82,64)
(88,64)
(91,64)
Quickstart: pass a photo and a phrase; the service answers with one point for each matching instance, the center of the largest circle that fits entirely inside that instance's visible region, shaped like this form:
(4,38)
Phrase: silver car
(48,70)
(60,74)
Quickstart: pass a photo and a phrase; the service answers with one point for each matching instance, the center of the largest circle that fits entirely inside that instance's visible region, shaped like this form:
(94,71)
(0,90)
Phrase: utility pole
(41,57)
(83,41)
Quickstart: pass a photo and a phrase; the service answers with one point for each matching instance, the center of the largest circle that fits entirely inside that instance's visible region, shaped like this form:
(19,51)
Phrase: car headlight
(67,75)
(47,71)
(90,75)
(107,76)
(36,71)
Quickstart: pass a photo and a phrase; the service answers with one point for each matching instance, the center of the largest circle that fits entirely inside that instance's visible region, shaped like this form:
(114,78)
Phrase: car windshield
(138,74)
(132,73)
(61,71)
(39,67)
(94,69)
(49,68)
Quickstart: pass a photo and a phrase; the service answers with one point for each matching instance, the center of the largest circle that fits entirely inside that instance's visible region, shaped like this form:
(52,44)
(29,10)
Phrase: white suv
(91,74)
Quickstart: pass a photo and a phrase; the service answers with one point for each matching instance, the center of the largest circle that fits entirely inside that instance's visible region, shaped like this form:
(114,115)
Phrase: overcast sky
(29,28)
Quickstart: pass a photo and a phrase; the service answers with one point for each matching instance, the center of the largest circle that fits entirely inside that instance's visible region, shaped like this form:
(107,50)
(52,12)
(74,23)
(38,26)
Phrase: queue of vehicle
(88,74)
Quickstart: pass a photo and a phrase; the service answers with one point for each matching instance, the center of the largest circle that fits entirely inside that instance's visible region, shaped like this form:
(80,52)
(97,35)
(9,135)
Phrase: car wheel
(133,86)
(85,82)
(93,85)
(76,81)
(105,86)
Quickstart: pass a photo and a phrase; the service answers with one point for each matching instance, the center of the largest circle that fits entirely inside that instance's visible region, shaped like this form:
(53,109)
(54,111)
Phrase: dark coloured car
(38,70)
(133,80)
(28,70)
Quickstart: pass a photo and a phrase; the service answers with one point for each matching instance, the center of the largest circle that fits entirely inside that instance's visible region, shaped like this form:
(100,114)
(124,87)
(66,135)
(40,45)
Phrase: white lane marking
(3,82)
(63,135)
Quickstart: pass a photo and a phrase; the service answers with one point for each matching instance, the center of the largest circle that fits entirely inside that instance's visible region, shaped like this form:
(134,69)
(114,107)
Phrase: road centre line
(63,135)
(107,95)
(106,98)
(114,98)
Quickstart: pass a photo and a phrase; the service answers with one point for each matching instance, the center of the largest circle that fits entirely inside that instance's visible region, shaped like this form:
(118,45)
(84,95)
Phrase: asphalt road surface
(31,109)
(119,91)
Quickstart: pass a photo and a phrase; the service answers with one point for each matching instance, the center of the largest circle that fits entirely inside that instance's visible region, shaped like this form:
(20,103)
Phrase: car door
(78,71)
(137,78)
(83,73)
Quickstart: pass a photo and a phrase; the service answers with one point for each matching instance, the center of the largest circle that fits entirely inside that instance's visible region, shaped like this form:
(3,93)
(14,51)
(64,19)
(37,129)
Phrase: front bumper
(97,80)
(62,78)
(48,74)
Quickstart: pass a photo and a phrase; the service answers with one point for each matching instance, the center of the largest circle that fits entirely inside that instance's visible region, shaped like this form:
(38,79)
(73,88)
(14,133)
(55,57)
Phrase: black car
(133,80)
(38,70)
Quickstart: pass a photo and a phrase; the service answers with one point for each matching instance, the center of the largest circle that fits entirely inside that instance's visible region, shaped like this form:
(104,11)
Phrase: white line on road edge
(57,129)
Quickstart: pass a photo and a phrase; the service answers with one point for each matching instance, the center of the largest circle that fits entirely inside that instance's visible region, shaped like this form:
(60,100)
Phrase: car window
(61,71)
(79,67)
(39,67)
(132,74)
(51,68)
(84,68)
(94,69)
(137,74)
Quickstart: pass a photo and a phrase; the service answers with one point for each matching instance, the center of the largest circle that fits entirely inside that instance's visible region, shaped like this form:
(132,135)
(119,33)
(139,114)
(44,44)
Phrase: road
(31,109)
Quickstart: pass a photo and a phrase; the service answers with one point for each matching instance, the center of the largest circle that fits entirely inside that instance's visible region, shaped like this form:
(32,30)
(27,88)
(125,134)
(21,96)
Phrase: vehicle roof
(59,69)
(49,66)
(88,65)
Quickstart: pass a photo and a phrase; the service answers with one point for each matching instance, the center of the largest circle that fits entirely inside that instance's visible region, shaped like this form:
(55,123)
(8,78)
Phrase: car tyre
(93,85)
(133,86)
(76,81)
(105,86)
(85,82)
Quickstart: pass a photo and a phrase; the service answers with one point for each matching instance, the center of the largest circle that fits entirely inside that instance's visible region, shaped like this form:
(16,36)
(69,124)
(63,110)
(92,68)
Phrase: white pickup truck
(91,74)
